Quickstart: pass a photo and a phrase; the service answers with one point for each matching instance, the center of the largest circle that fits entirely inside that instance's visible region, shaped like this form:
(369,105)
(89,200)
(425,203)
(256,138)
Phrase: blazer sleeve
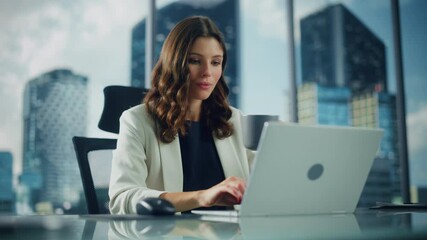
(129,166)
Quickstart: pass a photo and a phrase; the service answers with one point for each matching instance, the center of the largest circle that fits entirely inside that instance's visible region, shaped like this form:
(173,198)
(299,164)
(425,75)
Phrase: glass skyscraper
(224,13)
(55,110)
(378,110)
(339,106)
(338,50)
(7,196)
(344,83)
(323,105)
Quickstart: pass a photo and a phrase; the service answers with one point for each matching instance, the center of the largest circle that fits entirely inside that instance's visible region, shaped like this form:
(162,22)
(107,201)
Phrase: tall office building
(338,50)
(323,105)
(339,106)
(7,196)
(223,12)
(378,110)
(55,110)
(344,83)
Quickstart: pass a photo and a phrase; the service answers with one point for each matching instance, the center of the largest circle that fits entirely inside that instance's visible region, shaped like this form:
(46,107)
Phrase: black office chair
(82,147)
(117,100)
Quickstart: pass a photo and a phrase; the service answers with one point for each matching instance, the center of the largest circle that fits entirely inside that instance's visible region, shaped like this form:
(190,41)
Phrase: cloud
(416,122)
(268,15)
(100,20)
(37,39)
(418,173)
(11,93)
(417,130)
(48,55)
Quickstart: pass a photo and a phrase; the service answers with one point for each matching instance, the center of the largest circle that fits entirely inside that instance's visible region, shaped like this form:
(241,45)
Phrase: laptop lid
(302,169)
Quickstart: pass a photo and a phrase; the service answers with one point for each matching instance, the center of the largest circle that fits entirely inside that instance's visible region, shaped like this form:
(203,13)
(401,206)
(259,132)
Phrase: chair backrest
(117,100)
(83,146)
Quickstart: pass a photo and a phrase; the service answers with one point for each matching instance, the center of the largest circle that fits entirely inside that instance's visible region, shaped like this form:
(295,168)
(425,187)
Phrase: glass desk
(364,224)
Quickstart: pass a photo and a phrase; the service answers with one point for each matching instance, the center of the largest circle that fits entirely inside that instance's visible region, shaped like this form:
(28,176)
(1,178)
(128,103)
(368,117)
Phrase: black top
(201,165)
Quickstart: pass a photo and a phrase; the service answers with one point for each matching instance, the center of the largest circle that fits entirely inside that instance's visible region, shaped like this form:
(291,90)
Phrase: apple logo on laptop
(315,171)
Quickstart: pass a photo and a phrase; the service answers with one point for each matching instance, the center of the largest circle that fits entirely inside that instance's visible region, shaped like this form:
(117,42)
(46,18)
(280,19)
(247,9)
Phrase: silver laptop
(302,169)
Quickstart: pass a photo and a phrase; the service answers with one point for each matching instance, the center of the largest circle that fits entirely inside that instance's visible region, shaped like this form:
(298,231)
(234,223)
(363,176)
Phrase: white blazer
(143,166)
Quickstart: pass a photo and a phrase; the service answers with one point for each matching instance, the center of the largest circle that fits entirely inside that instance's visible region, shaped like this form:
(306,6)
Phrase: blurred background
(311,61)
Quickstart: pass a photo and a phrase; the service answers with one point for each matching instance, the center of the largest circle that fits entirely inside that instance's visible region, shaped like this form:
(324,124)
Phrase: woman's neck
(195,108)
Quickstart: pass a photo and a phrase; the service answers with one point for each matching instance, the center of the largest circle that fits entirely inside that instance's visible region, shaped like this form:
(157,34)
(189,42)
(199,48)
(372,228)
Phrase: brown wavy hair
(168,99)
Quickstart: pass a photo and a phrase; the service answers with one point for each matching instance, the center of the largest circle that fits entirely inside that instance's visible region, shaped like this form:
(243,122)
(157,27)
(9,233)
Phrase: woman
(184,144)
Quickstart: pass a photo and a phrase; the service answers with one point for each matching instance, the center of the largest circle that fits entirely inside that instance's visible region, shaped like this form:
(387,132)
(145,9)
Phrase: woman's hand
(226,193)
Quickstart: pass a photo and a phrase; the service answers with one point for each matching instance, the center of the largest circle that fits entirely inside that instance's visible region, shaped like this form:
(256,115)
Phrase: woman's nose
(206,70)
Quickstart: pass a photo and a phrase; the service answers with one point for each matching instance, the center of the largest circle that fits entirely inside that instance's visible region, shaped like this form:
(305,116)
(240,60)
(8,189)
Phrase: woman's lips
(204,86)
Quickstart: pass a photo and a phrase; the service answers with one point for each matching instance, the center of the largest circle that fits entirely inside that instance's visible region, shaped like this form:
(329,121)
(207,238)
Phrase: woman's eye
(216,63)
(193,61)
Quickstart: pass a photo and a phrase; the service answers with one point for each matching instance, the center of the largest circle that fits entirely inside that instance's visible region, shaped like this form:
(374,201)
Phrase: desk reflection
(208,227)
(362,225)
(171,228)
(294,227)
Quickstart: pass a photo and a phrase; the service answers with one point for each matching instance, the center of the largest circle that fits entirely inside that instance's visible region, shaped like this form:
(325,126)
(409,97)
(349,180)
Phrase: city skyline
(55,110)
(48,44)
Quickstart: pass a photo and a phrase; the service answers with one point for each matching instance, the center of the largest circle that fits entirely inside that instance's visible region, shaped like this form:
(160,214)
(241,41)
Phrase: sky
(92,38)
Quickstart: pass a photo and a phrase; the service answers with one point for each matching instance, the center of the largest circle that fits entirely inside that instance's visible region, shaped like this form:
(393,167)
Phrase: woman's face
(205,66)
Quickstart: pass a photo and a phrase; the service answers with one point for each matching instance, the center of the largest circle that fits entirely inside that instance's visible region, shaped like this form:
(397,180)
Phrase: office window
(62,52)
(57,58)
(414,37)
(345,49)
(264,59)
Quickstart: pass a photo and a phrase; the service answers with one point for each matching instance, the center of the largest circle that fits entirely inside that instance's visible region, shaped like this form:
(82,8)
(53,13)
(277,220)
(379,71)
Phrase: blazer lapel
(229,158)
(171,165)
